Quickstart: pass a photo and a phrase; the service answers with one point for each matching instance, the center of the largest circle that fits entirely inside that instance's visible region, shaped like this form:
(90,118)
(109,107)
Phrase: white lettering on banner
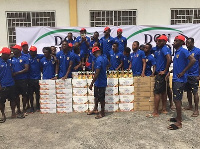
(47,36)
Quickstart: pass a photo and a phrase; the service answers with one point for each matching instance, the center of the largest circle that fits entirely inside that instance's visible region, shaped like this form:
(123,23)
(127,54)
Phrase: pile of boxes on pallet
(47,96)
(64,96)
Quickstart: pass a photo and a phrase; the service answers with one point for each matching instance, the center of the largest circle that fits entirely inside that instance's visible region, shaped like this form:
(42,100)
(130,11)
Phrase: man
(106,42)
(193,77)
(48,64)
(138,61)
(84,42)
(53,50)
(34,77)
(126,58)
(163,60)
(25,51)
(94,38)
(116,58)
(70,38)
(150,60)
(121,40)
(7,89)
(20,67)
(77,59)
(180,68)
(65,62)
(100,81)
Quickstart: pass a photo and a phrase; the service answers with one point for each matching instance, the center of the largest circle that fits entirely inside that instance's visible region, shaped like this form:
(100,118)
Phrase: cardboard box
(79,83)
(141,104)
(63,96)
(112,82)
(64,91)
(49,101)
(48,106)
(126,90)
(143,108)
(111,91)
(90,99)
(62,86)
(61,101)
(89,81)
(152,79)
(47,92)
(145,84)
(45,111)
(79,91)
(126,98)
(75,75)
(142,94)
(126,107)
(64,110)
(47,82)
(125,81)
(67,82)
(143,89)
(112,99)
(91,92)
(141,99)
(80,108)
(47,87)
(152,84)
(142,79)
(111,108)
(152,94)
(47,97)
(64,105)
(80,99)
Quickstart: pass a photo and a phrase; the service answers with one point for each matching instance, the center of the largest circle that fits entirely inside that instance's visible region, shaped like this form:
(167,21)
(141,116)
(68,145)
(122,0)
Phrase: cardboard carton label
(79,83)
(112,82)
(141,104)
(47,82)
(80,99)
(64,105)
(49,101)
(47,92)
(64,91)
(126,90)
(60,87)
(80,108)
(142,94)
(64,110)
(67,82)
(79,91)
(125,81)
(142,99)
(47,87)
(47,97)
(126,106)
(143,89)
(111,91)
(126,98)
(89,81)
(142,79)
(61,101)
(143,108)
(111,107)
(48,106)
(44,111)
(63,96)
(112,99)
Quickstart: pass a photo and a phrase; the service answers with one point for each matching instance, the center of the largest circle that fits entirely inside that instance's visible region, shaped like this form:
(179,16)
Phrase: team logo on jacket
(192,54)
(177,56)
(108,40)
(67,58)
(117,57)
(2,65)
(122,41)
(20,60)
(38,60)
(147,60)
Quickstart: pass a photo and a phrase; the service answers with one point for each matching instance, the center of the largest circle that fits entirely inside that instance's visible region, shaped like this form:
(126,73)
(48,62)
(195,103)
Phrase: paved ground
(116,130)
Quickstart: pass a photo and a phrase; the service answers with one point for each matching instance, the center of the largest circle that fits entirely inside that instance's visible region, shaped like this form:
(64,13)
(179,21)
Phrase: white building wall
(149,12)
(60,6)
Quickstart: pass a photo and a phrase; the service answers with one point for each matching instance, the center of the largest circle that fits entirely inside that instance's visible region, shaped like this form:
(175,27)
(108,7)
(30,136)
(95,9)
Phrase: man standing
(121,40)
(20,67)
(7,89)
(70,38)
(138,61)
(64,62)
(193,77)
(95,38)
(25,51)
(163,60)
(34,76)
(99,81)
(180,68)
(106,42)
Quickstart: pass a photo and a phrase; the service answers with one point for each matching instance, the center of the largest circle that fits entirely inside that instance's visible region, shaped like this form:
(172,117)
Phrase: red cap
(180,37)
(119,30)
(17,47)
(162,37)
(33,48)
(94,49)
(87,64)
(70,45)
(24,43)
(5,51)
(82,29)
(106,28)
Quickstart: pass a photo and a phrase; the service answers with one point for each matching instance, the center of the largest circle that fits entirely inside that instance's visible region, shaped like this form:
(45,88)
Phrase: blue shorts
(178,88)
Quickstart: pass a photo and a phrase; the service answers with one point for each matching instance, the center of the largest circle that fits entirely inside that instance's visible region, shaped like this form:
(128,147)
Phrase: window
(185,16)
(99,18)
(27,19)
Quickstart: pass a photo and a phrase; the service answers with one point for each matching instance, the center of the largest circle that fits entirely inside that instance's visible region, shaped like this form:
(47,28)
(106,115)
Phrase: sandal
(195,115)
(2,120)
(92,112)
(21,116)
(152,115)
(172,119)
(164,112)
(174,127)
(99,116)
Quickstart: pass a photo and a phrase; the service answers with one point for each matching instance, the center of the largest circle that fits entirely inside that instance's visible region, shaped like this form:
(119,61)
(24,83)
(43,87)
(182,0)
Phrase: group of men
(21,72)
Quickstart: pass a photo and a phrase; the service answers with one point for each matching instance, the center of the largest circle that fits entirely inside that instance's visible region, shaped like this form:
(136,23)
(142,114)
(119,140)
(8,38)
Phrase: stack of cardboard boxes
(80,99)
(143,93)
(126,94)
(47,96)
(64,96)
